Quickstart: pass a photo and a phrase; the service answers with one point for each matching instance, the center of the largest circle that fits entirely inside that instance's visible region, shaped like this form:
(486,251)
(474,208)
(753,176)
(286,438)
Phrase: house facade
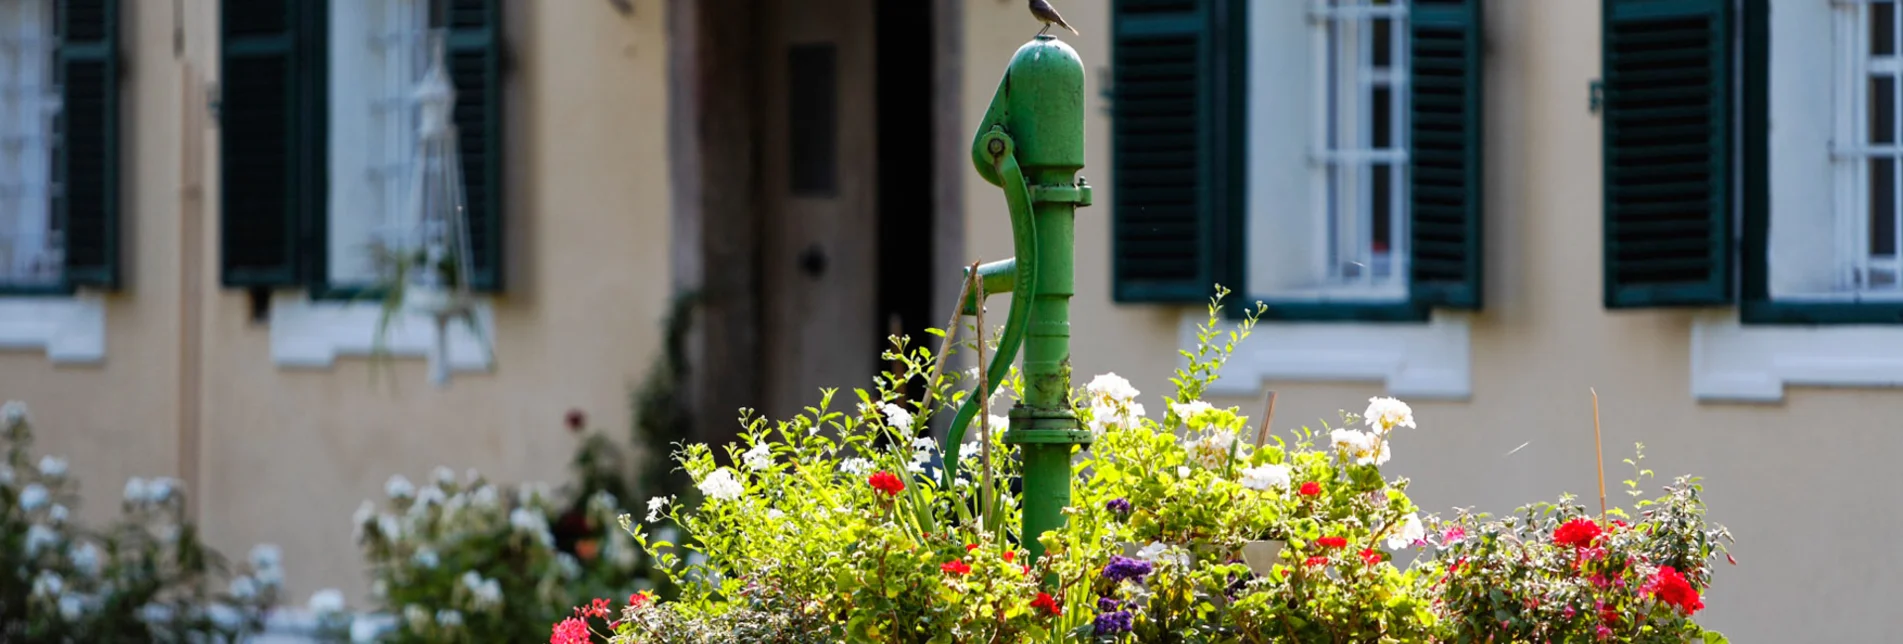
(1492,210)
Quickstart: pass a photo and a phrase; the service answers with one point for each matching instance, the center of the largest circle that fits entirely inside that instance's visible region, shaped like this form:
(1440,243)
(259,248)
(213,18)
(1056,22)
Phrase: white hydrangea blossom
(721,485)
(1365,448)
(1408,533)
(1266,477)
(52,467)
(856,466)
(656,506)
(1385,414)
(760,457)
(34,497)
(399,488)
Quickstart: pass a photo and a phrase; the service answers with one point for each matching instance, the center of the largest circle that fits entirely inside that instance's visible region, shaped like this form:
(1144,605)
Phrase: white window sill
(309,334)
(1430,360)
(1732,362)
(71,330)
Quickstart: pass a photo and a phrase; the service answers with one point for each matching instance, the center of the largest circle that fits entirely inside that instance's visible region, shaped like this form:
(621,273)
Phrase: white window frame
(70,329)
(378,53)
(1819,221)
(1289,224)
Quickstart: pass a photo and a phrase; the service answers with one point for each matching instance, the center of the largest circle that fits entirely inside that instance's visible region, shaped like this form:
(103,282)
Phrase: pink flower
(571,631)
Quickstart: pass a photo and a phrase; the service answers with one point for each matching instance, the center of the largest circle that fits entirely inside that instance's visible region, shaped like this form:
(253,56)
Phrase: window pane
(1383,42)
(1383,113)
(1883,28)
(1883,109)
(1383,193)
(1883,207)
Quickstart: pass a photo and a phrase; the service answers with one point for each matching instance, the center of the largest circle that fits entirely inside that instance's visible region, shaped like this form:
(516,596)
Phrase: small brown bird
(1043,11)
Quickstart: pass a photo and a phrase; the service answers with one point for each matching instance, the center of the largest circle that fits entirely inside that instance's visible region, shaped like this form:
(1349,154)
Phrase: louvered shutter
(1164,160)
(264,134)
(1667,77)
(87,162)
(475,66)
(1445,194)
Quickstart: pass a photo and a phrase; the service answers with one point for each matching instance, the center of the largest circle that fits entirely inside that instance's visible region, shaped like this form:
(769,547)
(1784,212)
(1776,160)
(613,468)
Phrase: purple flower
(1119,506)
(1108,605)
(1123,568)
(1113,623)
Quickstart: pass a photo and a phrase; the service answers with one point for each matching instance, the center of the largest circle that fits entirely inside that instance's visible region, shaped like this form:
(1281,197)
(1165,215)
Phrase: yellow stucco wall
(285,456)
(1804,484)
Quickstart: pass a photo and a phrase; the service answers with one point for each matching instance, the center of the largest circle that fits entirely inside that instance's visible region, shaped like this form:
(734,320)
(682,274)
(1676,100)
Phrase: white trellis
(435,277)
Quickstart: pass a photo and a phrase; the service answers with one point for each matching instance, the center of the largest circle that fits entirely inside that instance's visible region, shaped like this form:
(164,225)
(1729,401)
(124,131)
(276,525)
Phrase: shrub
(145,578)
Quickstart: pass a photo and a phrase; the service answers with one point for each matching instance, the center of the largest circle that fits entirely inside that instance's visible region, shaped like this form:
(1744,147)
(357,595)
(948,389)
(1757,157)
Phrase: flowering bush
(1555,573)
(461,559)
(144,578)
(834,526)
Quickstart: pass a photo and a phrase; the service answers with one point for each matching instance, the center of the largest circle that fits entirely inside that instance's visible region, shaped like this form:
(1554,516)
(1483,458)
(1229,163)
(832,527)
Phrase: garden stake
(984,412)
(1600,453)
(1268,416)
(1031,144)
(951,335)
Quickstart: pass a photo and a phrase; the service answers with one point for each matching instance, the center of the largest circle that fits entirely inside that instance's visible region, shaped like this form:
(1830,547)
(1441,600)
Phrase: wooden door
(819,195)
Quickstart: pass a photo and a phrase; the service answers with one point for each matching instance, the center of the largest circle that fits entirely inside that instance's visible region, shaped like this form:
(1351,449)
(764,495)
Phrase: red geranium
(1048,604)
(1316,561)
(1370,556)
(1671,588)
(1311,488)
(955,567)
(571,631)
(1331,542)
(887,483)
(1009,555)
(1578,533)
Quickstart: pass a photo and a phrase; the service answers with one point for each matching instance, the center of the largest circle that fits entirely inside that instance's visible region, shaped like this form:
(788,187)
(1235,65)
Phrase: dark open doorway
(905,70)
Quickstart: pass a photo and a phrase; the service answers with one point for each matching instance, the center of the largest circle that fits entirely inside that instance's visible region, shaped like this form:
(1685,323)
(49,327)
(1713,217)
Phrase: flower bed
(830,526)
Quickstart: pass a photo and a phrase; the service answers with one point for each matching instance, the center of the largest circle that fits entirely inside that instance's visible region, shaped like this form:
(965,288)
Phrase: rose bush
(834,526)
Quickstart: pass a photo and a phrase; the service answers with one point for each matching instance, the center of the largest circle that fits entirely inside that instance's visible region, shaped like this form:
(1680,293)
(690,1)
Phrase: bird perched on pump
(1043,11)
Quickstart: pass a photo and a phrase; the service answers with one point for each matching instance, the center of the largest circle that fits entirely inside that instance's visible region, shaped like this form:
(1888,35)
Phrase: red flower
(955,567)
(1027,568)
(639,599)
(575,420)
(1311,488)
(571,631)
(887,483)
(1671,588)
(1331,542)
(596,608)
(1370,556)
(1316,561)
(1046,603)
(970,547)
(1578,533)
(1009,555)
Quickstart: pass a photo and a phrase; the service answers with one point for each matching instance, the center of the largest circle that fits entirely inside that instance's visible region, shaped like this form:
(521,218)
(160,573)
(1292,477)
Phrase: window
(58,138)
(320,134)
(1321,156)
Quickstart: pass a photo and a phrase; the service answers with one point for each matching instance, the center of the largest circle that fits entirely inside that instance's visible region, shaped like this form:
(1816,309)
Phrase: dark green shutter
(264,132)
(87,162)
(475,67)
(1169,227)
(1667,75)
(1445,193)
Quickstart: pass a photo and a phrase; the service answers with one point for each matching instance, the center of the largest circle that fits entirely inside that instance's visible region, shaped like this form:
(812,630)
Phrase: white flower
(243,588)
(568,565)
(417,617)
(380,589)
(449,618)
(1161,553)
(444,476)
(389,527)
(1408,533)
(855,466)
(267,557)
(1190,409)
(399,488)
(34,497)
(775,514)
(1112,387)
(57,514)
(12,414)
(1365,448)
(1384,414)
(721,485)
(1182,471)
(1265,477)
(48,585)
(759,457)
(39,538)
(486,497)
(159,490)
(533,494)
(896,416)
(326,602)
(366,514)
(1105,415)
(429,497)
(70,607)
(52,466)
(426,558)
(526,520)
(969,451)
(1212,449)
(155,613)
(136,491)
(998,424)
(656,505)
(87,559)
